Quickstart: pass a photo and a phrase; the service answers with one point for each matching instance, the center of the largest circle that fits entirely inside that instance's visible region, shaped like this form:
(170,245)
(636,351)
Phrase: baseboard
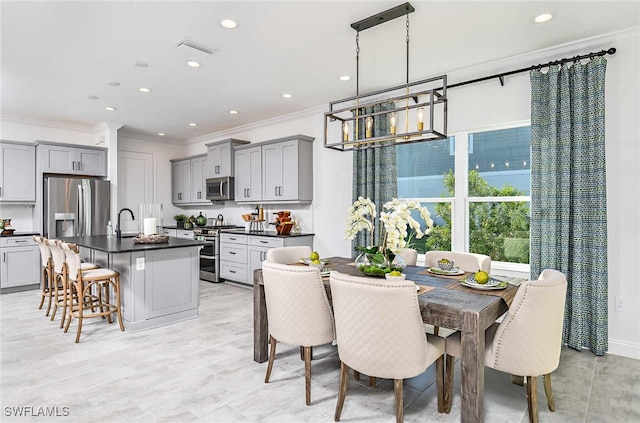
(624,349)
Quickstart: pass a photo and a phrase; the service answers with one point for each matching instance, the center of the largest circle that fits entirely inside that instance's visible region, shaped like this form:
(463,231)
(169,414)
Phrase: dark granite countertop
(20,234)
(126,245)
(271,234)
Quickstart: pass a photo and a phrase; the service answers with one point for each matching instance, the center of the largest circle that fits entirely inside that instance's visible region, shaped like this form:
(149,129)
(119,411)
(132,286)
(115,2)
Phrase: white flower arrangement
(393,222)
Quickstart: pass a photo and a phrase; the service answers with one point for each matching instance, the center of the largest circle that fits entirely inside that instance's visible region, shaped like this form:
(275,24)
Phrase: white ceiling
(55,54)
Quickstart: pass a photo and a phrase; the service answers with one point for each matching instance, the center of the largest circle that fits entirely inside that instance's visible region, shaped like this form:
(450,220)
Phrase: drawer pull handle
(264,242)
(232,253)
(232,271)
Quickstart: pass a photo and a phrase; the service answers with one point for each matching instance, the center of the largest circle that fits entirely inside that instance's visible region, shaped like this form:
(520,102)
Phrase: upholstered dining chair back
(298,309)
(379,327)
(288,255)
(529,338)
(409,255)
(469,262)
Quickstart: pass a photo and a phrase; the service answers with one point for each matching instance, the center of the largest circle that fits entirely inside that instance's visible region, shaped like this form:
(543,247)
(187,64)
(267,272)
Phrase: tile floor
(202,370)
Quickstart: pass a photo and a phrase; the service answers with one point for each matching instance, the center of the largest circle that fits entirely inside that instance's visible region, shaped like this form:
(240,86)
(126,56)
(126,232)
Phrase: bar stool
(59,279)
(46,272)
(80,284)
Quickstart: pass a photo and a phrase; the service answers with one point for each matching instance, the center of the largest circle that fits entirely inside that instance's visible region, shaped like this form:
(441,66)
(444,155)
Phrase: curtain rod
(501,76)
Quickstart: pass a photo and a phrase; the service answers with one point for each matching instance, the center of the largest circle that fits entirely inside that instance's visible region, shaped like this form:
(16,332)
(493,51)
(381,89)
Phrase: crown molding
(107,125)
(47,123)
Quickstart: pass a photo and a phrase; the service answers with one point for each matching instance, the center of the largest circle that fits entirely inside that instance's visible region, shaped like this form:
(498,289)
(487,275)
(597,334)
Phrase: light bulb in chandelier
(345,131)
(420,116)
(368,124)
(392,122)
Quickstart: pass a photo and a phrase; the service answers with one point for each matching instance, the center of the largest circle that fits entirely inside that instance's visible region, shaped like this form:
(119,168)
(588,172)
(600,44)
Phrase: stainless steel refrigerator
(75,206)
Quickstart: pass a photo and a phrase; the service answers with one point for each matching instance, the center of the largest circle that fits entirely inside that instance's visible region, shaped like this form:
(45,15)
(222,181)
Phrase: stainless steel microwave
(220,189)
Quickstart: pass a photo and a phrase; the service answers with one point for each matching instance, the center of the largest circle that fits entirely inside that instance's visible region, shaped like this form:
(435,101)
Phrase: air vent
(192,46)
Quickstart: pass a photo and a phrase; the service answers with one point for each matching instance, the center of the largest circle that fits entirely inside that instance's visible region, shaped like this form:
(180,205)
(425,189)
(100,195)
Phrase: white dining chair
(298,312)
(379,332)
(528,340)
(409,256)
(468,262)
(288,255)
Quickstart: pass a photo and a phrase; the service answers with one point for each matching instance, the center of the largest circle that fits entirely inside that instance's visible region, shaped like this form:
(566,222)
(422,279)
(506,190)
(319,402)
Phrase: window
(479,200)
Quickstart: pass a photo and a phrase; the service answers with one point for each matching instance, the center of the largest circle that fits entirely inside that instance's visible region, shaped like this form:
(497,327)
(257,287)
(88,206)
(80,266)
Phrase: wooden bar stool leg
(58,280)
(118,302)
(65,299)
(106,299)
(81,291)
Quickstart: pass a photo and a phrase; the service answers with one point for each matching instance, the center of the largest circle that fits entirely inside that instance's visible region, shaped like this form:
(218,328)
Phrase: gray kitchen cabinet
(20,262)
(233,258)
(220,157)
(17,172)
(257,247)
(198,180)
(170,232)
(248,174)
(188,184)
(285,171)
(70,159)
(184,234)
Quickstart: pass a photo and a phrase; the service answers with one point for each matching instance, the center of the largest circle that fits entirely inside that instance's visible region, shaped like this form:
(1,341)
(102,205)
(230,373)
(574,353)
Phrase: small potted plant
(180,219)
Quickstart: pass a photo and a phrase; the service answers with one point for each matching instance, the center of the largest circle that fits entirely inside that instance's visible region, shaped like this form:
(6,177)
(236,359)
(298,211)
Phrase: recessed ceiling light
(193,124)
(91,97)
(286,95)
(113,83)
(542,18)
(228,23)
(193,64)
(162,134)
(233,112)
(144,90)
(111,109)
(345,78)
(141,64)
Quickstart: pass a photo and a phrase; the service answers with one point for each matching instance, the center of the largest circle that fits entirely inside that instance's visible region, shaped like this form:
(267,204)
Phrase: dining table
(443,302)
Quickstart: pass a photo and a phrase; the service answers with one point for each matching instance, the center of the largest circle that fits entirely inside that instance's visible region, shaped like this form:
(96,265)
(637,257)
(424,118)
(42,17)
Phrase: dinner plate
(308,261)
(453,272)
(470,282)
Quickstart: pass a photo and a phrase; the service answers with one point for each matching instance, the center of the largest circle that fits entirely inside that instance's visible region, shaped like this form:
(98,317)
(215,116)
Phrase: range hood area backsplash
(232,212)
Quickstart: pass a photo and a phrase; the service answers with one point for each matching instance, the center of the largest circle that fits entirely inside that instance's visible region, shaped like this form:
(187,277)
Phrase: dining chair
(46,273)
(409,255)
(288,255)
(298,312)
(379,332)
(528,340)
(467,262)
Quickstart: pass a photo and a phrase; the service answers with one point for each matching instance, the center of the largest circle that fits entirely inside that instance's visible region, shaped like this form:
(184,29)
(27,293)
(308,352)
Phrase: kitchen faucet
(118,231)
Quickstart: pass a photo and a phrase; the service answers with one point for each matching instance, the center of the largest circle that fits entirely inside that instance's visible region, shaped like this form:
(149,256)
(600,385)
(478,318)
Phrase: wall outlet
(620,304)
(140,263)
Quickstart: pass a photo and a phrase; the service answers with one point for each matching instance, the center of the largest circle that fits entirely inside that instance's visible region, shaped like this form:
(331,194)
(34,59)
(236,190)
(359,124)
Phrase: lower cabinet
(240,255)
(20,262)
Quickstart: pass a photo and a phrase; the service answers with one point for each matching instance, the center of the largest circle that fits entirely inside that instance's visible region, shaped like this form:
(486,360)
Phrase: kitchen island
(158,282)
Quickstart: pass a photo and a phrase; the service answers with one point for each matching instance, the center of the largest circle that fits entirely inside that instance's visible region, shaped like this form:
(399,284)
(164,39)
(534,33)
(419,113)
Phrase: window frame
(460,202)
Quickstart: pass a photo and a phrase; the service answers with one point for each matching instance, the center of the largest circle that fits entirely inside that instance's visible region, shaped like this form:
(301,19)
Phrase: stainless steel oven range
(210,253)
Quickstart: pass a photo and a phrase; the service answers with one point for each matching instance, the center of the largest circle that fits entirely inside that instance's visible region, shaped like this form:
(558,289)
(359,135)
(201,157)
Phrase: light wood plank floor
(202,370)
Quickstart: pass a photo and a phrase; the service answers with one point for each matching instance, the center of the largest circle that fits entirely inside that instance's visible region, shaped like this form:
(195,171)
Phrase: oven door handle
(207,257)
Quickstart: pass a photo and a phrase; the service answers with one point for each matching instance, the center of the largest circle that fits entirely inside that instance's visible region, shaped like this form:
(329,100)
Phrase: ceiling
(55,54)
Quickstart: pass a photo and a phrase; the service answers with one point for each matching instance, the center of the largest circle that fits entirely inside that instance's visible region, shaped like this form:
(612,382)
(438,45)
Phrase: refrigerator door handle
(80,229)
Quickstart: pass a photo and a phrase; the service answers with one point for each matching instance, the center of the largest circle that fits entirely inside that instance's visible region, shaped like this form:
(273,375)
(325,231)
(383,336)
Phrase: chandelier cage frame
(423,110)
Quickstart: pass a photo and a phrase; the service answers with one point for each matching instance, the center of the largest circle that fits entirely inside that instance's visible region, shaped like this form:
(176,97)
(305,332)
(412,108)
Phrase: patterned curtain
(568,194)
(374,169)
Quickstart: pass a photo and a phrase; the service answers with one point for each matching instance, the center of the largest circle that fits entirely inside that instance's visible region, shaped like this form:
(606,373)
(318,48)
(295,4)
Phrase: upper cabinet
(248,179)
(285,173)
(220,160)
(17,172)
(71,160)
(188,186)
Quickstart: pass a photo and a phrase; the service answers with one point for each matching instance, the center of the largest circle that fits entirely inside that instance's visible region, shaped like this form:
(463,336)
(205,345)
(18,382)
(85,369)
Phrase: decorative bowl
(445,265)
(395,278)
